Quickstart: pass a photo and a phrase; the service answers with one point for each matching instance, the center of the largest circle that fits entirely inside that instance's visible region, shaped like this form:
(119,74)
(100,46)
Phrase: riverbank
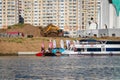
(11,46)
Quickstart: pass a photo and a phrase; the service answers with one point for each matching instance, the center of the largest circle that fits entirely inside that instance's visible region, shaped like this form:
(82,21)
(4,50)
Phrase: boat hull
(93,53)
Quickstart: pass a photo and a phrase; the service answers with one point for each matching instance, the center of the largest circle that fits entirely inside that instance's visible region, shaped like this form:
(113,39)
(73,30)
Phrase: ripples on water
(60,68)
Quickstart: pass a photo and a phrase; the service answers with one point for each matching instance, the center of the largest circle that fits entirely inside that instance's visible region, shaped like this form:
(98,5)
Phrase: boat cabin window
(79,49)
(112,49)
(113,42)
(94,49)
(89,49)
(86,43)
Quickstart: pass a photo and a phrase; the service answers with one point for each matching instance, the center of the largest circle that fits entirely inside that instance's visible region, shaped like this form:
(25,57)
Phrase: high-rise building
(104,14)
(90,11)
(0,13)
(8,13)
(21,11)
(95,11)
(70,15)
(112,17)
(62,13)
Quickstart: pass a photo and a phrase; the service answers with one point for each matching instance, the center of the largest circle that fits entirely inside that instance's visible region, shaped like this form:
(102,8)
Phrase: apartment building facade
(62,13)
(112,17)
(0,13)
(8,13)
(70,15)
(90,13)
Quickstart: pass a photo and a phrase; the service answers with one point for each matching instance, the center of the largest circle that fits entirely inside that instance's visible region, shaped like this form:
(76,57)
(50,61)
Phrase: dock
(27,53)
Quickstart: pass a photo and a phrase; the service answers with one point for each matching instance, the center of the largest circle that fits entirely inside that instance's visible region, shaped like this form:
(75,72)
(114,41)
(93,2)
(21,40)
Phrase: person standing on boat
(42,48)
(50,46)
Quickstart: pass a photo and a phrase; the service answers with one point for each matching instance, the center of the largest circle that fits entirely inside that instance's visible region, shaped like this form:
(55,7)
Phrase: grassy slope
(13,45)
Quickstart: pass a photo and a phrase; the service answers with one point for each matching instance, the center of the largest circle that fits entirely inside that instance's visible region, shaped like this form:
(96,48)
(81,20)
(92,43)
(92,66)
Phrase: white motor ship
(91,47)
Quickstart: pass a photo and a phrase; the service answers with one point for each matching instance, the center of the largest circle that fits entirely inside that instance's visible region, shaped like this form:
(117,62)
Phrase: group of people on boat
(84,46)
(53,50)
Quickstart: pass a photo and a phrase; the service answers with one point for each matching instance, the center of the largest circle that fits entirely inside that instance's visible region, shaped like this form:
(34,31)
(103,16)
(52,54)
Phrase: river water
(60,68)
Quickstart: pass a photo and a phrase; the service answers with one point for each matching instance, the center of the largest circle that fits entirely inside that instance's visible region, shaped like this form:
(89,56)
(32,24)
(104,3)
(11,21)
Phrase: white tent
(54,43)
(61,43)
(68,43)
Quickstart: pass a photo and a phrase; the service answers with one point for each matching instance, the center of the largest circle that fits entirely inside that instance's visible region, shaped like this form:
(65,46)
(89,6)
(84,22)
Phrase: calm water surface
(60,68)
